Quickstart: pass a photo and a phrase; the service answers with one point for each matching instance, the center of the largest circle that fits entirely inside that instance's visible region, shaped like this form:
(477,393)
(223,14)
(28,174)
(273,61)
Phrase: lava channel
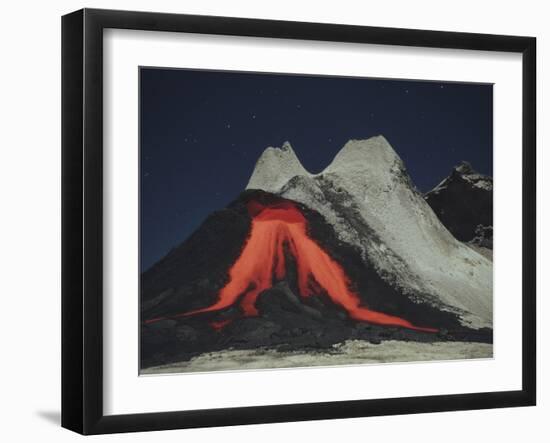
(263,260)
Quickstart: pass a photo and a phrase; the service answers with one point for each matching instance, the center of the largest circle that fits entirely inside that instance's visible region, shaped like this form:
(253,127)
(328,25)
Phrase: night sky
(201,133)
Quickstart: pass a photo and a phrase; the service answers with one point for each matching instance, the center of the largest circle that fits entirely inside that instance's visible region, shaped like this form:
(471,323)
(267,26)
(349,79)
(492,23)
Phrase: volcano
(277,230)
(305,261)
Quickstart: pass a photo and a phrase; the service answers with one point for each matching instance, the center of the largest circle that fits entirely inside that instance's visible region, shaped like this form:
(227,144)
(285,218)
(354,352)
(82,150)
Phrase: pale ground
(352,352)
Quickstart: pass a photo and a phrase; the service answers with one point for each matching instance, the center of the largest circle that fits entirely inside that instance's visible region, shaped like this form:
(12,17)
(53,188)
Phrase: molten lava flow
(218,325)
(263,260)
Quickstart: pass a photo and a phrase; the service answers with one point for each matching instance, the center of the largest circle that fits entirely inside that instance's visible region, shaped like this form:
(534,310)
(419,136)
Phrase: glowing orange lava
(263,261)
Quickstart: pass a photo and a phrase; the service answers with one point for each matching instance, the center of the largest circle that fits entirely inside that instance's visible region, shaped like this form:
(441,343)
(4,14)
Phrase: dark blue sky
(202,132)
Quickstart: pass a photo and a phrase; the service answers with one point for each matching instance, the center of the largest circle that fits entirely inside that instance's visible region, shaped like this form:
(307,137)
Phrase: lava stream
(263,260)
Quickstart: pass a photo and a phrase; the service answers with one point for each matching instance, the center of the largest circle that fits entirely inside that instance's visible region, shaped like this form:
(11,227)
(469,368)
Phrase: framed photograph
(269,221)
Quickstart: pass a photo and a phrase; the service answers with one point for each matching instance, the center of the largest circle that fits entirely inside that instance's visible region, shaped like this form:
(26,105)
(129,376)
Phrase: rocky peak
(275,167)
(464,168)
(368,153)
(463,201)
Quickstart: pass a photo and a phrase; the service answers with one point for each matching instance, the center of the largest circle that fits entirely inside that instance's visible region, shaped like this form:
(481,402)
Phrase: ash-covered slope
(464,203)
(366,195)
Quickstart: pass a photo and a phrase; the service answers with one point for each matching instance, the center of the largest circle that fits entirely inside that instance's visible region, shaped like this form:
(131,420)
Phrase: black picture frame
(82,220)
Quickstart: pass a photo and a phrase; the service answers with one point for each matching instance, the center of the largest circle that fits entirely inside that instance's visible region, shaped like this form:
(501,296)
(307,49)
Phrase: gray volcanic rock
(464,203)
(275,167)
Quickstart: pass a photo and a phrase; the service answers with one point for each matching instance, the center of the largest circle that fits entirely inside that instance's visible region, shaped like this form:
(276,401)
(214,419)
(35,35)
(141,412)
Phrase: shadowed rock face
(483,237)
(464,204)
